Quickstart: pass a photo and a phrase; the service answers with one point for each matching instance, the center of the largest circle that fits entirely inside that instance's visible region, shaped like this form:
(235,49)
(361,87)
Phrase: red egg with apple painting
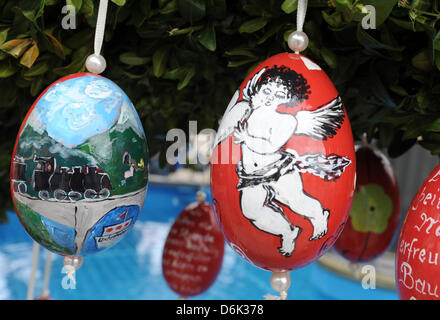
(283,166)
(375,212)
(418,248)
(193,252)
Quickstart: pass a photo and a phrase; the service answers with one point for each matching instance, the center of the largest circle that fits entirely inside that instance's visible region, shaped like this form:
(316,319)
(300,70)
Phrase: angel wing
(250,87)
(235,112)
(323,122)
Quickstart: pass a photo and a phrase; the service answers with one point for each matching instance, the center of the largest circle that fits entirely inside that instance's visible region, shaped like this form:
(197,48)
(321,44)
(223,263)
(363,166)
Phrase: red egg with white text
(193,252)
(283,166)
(375,211)
(418,248)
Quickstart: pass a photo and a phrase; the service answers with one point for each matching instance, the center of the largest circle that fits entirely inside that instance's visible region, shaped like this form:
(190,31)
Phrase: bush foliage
(181,60)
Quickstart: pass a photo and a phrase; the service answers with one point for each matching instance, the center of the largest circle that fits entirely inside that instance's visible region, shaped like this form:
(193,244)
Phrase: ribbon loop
(100,26)
(301,14)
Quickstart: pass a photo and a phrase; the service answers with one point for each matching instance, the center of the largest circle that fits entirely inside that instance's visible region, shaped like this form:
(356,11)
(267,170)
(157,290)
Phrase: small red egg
(375,212)
(193,252)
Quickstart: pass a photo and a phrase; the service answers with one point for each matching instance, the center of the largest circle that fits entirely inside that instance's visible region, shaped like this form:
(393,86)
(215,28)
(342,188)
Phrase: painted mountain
(102,132)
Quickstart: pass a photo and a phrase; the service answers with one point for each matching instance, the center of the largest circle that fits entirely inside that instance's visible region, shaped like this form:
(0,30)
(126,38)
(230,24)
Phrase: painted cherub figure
(270,175)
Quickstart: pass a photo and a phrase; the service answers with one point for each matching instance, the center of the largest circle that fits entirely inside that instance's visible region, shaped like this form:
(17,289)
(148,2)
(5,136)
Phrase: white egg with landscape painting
(79,169)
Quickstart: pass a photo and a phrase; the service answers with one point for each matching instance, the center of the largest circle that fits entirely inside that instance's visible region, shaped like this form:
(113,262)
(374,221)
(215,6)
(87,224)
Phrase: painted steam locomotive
(86,181)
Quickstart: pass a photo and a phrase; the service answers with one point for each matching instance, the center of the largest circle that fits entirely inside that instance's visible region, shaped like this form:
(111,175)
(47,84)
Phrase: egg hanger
(200,195)
(298,40)
(96,63)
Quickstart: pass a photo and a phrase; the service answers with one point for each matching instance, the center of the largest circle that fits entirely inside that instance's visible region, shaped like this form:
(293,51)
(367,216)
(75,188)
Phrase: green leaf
(76,3)
(192,10)
(170,7)
(436,42)
(37,70)
(207,37)
(160,59)
(58,47)
(7,70)
(88,8)
(437,59)
(422,61)
(241,52)
(189,74)
(16,47)
(175,74)
(119,2)
(3,36)
(30,56)
(334,20)
(77,64)
(273,30)
(434,126)
(32,11)
(133,59)
(253,25)
(36,86)
(289,6)
(234,64)
(370,42)
(345,7)
(329,57)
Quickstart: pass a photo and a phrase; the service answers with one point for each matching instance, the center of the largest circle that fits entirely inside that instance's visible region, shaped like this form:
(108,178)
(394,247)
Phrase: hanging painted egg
(375,211)
(418,248)
(79,168)
(283,166)
(193,252)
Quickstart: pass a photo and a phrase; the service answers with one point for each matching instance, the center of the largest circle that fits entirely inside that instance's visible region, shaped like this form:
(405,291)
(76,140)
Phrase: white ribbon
(301,14)
(34,267)
(282,296)
(100,25)
(47,269)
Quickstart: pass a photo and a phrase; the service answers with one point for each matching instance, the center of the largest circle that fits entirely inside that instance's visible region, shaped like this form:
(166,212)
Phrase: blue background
(132,269)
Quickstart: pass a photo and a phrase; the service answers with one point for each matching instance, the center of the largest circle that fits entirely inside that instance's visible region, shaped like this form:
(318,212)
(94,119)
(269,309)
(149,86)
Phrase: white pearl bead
(96,63)
(298,41)
(280,281)
(73,261)
(200,196)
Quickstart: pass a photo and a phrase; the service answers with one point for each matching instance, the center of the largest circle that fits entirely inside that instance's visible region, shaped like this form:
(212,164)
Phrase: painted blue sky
(77,109)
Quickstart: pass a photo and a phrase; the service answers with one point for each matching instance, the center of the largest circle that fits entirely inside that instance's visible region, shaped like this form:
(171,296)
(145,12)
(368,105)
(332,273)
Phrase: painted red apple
(418,251)
(283,167)
(375,211)
(193,251)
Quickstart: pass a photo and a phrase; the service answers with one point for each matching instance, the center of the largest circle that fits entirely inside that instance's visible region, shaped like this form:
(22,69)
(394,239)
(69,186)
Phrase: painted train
(64,183)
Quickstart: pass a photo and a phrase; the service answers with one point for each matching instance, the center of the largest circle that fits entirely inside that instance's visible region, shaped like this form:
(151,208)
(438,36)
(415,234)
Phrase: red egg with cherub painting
(283,167)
